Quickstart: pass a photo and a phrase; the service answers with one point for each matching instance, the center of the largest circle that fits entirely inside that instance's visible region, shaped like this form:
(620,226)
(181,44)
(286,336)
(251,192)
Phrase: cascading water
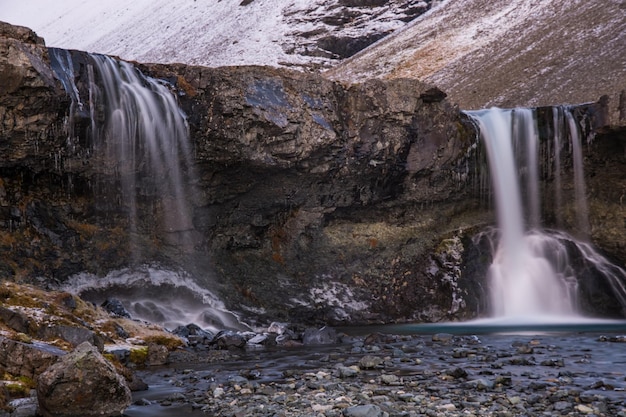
(139,137)
(531,277)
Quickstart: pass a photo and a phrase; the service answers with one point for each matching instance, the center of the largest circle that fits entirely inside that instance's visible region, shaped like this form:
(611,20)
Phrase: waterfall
(532,276)
(523,280)
(139,136)
(139,141)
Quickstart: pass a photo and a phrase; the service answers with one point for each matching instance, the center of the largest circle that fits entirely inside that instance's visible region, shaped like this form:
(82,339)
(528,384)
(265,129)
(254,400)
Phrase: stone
(26,359)
(229,340)
(82,384)
(370,362)
(442,337)
(389,379)
(458,373)
(17,320)
(157,354)
(368,410)
(115,307)
(75,335)
(347,371)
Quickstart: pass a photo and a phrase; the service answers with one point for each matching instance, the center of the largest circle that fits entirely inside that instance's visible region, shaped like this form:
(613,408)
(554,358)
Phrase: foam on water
(531,278)
(156,295)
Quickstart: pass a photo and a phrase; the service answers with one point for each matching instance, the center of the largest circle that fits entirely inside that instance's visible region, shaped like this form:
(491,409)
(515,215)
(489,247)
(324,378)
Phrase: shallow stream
(469,367)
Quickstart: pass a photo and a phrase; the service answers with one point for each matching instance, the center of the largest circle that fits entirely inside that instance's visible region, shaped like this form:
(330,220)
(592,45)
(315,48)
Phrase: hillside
(506,53)
(306,34)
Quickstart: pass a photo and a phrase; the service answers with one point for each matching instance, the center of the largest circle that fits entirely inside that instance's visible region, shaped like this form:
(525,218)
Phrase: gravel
(397,375)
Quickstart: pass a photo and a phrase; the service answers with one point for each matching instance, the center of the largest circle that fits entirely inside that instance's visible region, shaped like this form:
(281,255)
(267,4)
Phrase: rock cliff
(312,200)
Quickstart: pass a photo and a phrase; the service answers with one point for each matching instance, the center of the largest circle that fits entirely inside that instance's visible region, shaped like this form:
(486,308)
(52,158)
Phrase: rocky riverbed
(555,374)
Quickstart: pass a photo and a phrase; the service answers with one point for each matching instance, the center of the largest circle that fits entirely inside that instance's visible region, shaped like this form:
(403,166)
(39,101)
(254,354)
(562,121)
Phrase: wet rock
(264,339)
(194,334)
(229,340)
(115,307)
(83,384)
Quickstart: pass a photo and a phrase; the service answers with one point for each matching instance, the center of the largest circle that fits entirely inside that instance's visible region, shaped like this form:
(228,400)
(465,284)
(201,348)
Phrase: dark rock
(115,308)
(363,3)
(458,373)
(120,331)
(17,320)
(135,383)
(433,95)
(229,340)
(345,47)
(83,384)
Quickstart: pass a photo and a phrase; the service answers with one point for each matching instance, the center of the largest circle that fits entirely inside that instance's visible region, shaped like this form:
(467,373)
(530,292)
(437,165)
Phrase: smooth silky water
(531,282)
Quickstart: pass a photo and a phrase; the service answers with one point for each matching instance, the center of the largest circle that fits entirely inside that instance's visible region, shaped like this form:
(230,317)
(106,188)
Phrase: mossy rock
(138,356)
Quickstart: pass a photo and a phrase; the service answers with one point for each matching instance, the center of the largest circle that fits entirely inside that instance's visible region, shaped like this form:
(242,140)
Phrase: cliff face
(310,201)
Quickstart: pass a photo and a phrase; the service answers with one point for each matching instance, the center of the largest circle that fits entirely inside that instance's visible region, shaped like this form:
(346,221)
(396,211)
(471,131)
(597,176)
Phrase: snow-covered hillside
(481,52)
(301,33)
(507,53)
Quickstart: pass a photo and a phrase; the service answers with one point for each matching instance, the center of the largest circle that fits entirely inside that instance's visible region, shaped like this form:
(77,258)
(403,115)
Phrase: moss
(17,390)
(110,357)
(21,337)
(170,342)
(139,356)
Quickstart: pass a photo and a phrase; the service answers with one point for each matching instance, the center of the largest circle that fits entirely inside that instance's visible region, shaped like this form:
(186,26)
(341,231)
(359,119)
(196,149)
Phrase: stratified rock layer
(313,201)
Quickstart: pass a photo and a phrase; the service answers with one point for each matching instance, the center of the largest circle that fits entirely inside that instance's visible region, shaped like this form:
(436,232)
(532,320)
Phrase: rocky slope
(507,53)
(305,34)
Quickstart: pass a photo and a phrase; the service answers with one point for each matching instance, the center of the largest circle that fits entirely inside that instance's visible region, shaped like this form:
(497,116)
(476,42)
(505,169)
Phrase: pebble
(439,376)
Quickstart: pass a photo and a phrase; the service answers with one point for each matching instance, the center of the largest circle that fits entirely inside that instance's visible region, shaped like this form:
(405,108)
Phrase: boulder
(25,359)
(82,384)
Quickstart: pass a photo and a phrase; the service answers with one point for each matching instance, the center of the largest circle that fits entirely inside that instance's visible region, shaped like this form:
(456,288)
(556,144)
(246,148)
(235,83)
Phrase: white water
(139,136)
(156,295)
(145,133)
(523,281)
(531,278)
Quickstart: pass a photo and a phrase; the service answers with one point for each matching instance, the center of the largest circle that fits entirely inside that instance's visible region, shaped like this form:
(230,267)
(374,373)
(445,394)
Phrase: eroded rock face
(83,384)
(305,188)
(313,201)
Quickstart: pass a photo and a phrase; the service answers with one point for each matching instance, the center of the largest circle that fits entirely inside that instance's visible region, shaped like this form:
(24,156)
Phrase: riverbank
(556,374)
